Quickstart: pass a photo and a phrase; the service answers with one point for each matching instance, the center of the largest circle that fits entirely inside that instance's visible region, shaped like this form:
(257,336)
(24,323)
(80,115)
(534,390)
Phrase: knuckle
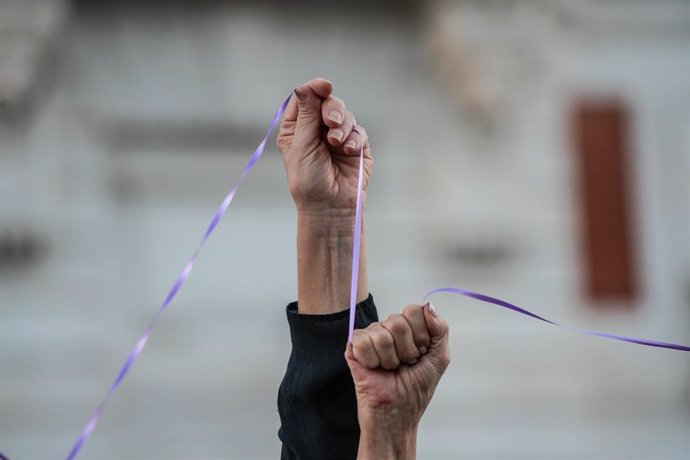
(372,327)
(363,349)
(397,325)
(393,316)
(361,343)
(309,114)
(411,310)
(384,341)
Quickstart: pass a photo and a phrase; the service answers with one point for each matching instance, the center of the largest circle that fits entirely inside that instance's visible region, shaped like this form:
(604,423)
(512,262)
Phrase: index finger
(333,112)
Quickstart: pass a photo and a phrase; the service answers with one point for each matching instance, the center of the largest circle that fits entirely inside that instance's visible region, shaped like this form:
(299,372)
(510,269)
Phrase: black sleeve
(316,399)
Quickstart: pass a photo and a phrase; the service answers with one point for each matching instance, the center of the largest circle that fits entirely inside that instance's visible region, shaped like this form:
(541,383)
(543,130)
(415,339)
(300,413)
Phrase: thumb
(437,327)
(309,98)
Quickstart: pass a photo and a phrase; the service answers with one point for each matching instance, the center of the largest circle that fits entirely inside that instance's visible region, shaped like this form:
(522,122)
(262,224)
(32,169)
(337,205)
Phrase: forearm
(324,261)
(387,444)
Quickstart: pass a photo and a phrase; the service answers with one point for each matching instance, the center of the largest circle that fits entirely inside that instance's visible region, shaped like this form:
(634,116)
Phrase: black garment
(316,400)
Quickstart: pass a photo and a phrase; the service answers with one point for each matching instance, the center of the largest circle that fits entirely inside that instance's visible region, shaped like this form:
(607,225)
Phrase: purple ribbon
(93,421)
(141,343)
(515,308)
(356,244)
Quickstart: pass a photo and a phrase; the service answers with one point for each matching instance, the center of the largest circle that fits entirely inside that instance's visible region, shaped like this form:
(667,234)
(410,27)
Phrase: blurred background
(534,150)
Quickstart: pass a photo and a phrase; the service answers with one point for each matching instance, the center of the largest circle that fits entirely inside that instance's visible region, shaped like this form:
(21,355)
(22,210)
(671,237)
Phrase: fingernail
(300,95)
(414,361)
(335,116)
(423,350)
(351,144)
(432,310)
(337,135)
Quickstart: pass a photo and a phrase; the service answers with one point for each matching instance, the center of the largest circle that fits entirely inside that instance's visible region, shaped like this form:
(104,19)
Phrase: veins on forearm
(324,252)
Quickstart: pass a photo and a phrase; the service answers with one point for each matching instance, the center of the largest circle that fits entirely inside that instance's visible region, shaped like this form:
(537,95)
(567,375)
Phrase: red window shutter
(602,147)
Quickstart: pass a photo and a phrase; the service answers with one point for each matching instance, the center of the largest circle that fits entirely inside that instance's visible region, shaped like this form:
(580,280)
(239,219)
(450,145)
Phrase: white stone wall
(120,217)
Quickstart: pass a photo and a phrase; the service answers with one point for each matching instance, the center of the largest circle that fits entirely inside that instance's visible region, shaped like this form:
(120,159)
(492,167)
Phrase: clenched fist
(321,149)
(396,365)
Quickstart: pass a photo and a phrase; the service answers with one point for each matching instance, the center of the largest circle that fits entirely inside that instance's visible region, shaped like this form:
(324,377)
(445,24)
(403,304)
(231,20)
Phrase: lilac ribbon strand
(356,243)
(141,343)
(515,308)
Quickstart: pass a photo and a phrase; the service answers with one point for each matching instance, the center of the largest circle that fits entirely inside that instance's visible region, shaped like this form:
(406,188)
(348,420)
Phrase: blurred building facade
(123,124)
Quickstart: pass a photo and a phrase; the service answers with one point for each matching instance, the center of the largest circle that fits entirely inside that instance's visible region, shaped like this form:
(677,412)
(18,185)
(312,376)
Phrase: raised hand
(320,149)
(396,365)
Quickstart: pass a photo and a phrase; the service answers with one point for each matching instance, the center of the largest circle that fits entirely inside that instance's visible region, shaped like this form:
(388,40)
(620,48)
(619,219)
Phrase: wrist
(387,441)
(330,208)
(326,224)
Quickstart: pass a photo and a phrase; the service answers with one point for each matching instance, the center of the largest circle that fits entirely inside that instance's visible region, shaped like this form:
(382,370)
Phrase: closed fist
(320,149)
(396,365)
